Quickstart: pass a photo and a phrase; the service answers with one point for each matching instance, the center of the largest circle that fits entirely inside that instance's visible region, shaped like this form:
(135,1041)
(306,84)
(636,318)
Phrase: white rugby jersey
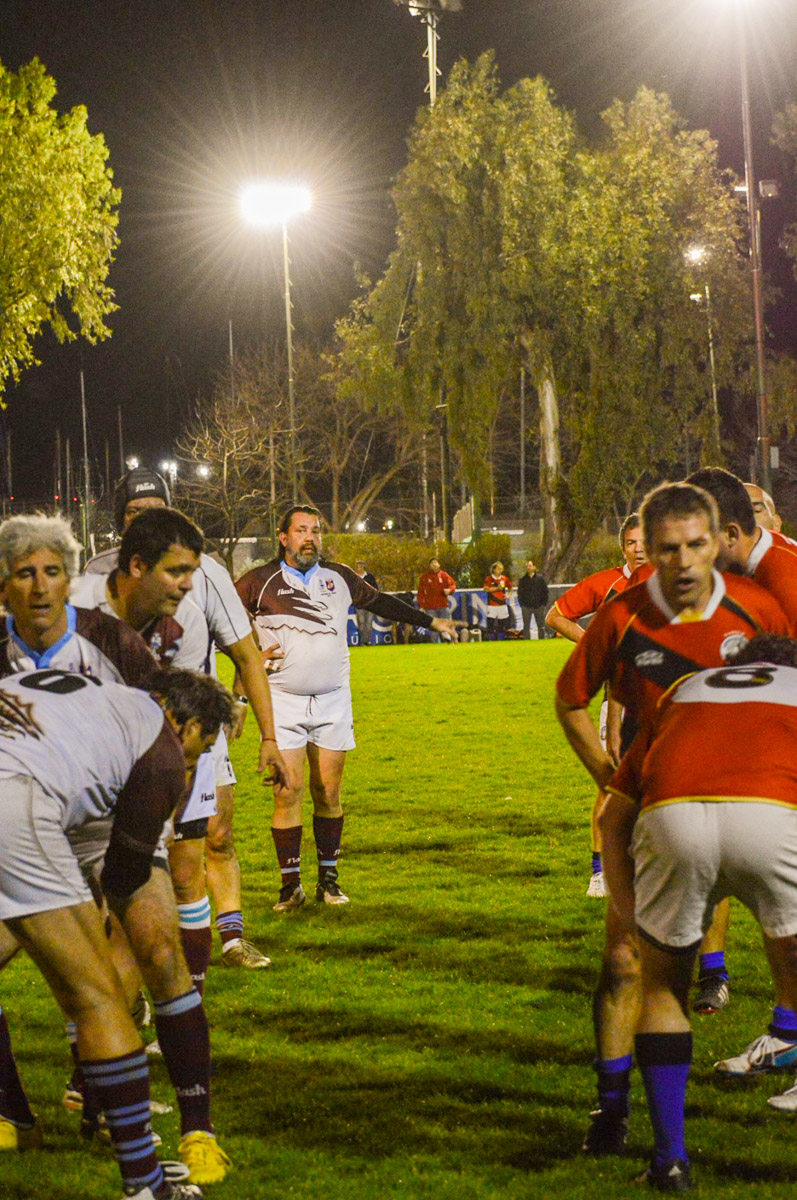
(213,593)
(178,641)
(77,737)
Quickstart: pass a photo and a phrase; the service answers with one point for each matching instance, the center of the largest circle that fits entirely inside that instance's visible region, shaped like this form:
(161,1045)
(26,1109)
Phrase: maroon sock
(185,1043)
(122,1088)
(288,844)
(327,832)
(13,1101)
(197,938)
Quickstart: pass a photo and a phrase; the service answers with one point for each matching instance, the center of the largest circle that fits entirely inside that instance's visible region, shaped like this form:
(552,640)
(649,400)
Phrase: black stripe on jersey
(652,661)
(737,610)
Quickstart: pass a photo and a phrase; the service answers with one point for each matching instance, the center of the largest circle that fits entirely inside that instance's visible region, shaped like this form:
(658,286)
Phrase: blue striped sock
(121,1086)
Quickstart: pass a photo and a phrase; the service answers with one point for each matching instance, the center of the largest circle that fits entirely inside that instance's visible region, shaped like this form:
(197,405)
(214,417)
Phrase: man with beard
(302,603)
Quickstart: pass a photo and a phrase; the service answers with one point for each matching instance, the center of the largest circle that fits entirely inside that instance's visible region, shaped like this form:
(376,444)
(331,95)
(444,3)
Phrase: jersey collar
(627,571)
(764,543)
(675,618)
(303,576)
(45,657)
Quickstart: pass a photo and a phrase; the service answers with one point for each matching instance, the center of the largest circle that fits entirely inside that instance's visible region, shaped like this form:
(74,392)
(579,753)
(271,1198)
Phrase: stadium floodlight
(169,468)
(264,205)
(698,255)
(131,463)
(203,470)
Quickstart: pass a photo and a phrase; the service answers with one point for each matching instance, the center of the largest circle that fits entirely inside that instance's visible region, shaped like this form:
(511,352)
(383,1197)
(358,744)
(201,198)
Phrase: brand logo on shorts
(649,658)
(732,644)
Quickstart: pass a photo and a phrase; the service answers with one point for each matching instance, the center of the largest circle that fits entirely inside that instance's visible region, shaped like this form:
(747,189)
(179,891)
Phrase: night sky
(196,96)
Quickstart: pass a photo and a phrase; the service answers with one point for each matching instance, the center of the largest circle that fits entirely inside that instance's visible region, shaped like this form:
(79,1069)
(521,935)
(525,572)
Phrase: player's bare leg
(326,776)
(286,830)
(664,1055)
(713,975)
(596,888)
(223,872)
(69,946)
(615,1011)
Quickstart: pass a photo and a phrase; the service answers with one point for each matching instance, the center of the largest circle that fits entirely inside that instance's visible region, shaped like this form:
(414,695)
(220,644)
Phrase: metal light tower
(267,204)
(430,12)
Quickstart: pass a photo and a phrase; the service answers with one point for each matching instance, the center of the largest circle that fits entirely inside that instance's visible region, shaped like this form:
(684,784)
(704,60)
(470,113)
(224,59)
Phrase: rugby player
(684,617)
(302,603)
(770,559)
(214,594)
(76,750)
(701,824)
(582,600)
(38,558)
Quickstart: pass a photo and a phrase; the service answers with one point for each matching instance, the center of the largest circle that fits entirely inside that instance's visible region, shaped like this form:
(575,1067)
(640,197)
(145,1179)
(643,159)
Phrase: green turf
(433,1038)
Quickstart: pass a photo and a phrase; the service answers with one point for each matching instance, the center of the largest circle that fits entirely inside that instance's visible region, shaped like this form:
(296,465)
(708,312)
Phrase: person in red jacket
(497,586)
(434,588)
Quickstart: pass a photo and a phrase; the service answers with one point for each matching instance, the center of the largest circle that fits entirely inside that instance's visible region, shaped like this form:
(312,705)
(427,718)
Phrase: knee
(219,841)
(620,966)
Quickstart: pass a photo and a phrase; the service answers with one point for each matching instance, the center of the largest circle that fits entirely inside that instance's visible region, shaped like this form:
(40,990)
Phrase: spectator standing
(498,586)
(532,594)
(434,588)
(365,619)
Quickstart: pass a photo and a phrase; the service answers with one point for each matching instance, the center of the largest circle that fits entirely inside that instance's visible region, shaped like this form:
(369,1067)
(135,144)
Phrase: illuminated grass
(433,1038)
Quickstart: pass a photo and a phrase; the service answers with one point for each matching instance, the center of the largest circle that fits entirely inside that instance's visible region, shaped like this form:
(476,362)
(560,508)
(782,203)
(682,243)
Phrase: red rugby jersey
(642,647)
(721,735)
(587,596)
(773,565)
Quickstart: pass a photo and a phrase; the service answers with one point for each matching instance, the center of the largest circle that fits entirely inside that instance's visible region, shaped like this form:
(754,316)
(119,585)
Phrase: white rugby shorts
(325,721)
(202,801)
(38,868)
(223,771)
(690,855)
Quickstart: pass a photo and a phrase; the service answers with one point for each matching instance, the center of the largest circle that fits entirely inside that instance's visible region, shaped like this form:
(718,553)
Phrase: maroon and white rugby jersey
(307,613)
(94,644)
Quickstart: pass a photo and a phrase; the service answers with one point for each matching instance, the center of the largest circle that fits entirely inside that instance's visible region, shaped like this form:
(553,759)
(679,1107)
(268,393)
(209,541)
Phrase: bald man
(763,507)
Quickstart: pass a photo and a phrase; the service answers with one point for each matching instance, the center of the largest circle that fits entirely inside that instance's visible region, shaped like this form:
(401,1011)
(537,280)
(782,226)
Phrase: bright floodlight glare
(273,203)
(131,463)
(696,254)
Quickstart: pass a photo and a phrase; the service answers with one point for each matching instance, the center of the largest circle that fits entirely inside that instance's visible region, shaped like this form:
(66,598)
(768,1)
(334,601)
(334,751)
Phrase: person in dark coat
(532,594)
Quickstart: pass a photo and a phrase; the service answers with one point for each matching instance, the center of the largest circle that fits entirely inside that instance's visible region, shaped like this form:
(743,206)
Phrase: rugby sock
(197,938)
(13,1101)
(664,1060)
(288,844)
(122,1088)
(596,862)
(230,927)
(614,1083)
(784,1024)
(327,832)
(184,1039)
(713,964)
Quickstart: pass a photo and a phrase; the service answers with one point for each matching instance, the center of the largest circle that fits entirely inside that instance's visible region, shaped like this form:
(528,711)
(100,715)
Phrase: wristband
(240,699)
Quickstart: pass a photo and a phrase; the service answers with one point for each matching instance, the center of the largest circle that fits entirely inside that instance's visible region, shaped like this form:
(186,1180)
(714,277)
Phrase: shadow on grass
(386,1115)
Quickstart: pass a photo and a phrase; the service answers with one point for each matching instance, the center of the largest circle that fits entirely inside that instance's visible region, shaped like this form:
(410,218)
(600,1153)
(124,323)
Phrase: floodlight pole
(289,336)
(763,450)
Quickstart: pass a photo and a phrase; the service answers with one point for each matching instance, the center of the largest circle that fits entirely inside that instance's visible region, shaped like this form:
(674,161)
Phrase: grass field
(432,1038)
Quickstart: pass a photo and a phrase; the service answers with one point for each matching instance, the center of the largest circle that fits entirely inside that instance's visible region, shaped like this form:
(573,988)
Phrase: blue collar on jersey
(44,658)
(305,576)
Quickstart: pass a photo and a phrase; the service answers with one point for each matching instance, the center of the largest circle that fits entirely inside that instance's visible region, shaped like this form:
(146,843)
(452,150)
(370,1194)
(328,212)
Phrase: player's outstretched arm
(446,625)
(583,737)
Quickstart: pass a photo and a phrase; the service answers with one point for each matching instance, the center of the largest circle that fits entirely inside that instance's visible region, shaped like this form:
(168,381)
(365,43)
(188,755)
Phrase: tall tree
(57,220)
(520,243)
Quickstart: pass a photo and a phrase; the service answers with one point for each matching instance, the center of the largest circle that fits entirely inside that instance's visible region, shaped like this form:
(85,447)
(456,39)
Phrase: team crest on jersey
(649,658)
(732,644)
(329,584)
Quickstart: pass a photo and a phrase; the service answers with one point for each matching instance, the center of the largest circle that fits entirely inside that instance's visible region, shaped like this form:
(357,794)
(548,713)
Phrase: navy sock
(784,1024)
(664,1060)
(713,964)
(596,862)
(13,1101)
(614,1083)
